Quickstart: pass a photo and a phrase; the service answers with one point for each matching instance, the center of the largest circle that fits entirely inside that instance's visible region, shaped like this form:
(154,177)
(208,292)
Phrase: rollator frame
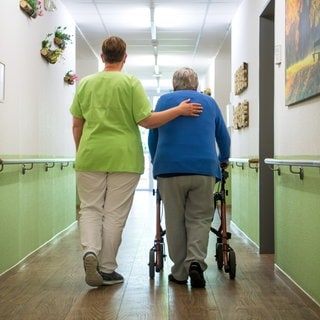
(157,252)
(224,255)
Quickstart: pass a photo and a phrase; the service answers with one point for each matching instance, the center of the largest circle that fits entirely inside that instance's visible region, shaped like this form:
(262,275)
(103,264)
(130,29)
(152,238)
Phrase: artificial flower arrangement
(50,55)
(32,8)
(61,37)
(70,77)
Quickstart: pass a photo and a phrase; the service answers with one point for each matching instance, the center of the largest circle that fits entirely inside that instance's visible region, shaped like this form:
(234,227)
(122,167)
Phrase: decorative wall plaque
(241,79)
(241,115)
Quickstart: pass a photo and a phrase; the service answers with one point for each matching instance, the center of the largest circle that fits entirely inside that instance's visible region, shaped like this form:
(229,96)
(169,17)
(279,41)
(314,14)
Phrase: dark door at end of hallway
(266,128)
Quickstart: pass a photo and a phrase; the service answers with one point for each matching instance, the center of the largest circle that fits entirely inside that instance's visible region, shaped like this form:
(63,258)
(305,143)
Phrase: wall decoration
(50,55)
(32,8)
(2,82)
(241,115)
(61,37)
(49,5)
(302,35)
(207,91)
(241,79)
(70,77)
(60,40)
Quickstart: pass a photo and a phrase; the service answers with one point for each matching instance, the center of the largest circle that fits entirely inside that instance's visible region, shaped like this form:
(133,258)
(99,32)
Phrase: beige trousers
(188,205)
(105,203)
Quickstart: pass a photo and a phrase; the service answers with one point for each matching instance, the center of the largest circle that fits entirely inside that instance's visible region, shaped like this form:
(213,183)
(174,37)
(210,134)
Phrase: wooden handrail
(253,163)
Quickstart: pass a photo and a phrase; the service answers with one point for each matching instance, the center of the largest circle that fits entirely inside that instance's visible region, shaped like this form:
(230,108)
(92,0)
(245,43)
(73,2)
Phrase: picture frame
(302,51)
(2,82)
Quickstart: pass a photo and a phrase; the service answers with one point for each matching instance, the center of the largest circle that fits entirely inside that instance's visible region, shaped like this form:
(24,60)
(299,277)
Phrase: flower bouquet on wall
(70,77)
(61,37)
(32,8)
(50,55)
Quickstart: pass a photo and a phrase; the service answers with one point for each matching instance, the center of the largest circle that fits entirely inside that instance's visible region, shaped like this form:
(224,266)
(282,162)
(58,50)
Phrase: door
(266,129)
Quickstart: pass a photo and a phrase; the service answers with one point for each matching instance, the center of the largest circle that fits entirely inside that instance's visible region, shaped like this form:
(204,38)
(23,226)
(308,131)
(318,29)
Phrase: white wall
(297,127)
(86,60)
(87,66)
(34,119)
(208,81)
(218,76)
(222,83)
(245,48)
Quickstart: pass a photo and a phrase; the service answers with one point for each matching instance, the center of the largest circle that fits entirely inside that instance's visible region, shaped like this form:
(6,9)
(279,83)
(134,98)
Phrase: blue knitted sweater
(189,145)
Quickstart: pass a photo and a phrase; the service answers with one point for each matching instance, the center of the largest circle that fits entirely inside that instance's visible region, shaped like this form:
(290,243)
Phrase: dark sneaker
(91,267)
(196,275)
(111,278)
(173,279)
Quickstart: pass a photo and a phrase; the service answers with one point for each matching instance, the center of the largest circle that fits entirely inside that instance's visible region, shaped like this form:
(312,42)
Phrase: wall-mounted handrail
(253,163)
(239,162)
(276,163)
(28,164)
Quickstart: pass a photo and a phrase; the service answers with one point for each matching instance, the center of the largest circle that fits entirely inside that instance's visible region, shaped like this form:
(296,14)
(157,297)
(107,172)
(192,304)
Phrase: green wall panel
(245,201)
(34,207)
(9,217)
(297,222)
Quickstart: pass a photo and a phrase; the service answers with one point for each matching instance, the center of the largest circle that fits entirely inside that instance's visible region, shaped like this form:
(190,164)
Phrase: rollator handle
(224,165)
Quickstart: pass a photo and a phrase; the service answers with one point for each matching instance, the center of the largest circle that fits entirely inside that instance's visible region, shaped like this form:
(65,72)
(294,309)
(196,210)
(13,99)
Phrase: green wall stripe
(297,220)
(245,201)
(34,208)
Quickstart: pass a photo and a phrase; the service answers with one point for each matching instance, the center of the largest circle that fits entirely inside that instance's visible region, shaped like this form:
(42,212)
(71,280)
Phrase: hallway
(49,284)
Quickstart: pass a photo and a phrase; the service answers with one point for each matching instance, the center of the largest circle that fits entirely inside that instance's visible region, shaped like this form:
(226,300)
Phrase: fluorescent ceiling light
(142,60)
(153,83)
(167,18)
(171,60)
(138,18)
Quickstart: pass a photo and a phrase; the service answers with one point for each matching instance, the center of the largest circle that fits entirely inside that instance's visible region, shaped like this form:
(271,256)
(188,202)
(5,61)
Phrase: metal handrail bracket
(28,164)
(253,163)
(291,164)
(239,162)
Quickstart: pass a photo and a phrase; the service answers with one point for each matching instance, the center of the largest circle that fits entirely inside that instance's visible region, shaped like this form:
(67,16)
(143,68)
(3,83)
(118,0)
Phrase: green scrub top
(112,104)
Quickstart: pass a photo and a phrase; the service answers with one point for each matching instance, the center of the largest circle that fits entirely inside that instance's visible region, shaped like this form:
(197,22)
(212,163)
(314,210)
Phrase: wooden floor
(50,283)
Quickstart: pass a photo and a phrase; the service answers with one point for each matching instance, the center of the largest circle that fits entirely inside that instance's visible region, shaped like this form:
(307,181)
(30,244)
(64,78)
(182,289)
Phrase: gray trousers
(188,205)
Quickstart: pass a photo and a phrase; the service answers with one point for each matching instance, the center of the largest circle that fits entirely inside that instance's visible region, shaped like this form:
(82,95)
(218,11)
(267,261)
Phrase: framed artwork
(2,81)
(302,36)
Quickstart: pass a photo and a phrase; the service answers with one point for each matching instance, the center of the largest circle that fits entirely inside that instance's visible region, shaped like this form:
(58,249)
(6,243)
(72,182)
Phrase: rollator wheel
(151,263)
(219,255)
(159,263)
(232,264)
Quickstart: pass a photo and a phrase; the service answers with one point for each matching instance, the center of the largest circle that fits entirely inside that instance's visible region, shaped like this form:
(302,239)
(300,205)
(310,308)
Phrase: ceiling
(161,35)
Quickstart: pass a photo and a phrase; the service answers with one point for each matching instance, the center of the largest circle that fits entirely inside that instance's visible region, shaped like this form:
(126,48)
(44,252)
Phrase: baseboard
(307,299)
(60,234)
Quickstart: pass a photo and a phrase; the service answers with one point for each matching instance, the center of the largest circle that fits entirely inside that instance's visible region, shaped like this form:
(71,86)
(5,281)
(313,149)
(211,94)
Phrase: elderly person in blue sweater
(186,163)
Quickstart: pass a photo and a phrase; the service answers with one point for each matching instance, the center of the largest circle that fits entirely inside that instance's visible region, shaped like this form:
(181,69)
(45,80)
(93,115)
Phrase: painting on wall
(2,80)
(302,50)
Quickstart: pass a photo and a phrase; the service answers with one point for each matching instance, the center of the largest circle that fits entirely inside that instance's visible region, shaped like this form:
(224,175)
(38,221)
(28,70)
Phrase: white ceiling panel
(188,33)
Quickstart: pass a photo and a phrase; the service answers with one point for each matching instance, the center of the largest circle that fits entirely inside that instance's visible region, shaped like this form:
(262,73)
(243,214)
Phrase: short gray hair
(185,79)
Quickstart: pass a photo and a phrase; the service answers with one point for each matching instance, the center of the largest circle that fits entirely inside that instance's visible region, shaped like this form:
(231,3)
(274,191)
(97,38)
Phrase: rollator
(157,252)
(225,255)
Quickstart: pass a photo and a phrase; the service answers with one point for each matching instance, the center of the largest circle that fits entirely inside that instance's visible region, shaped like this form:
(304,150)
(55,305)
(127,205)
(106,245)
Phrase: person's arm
(157,119)
(77,127)
(152,142)
(223,140)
